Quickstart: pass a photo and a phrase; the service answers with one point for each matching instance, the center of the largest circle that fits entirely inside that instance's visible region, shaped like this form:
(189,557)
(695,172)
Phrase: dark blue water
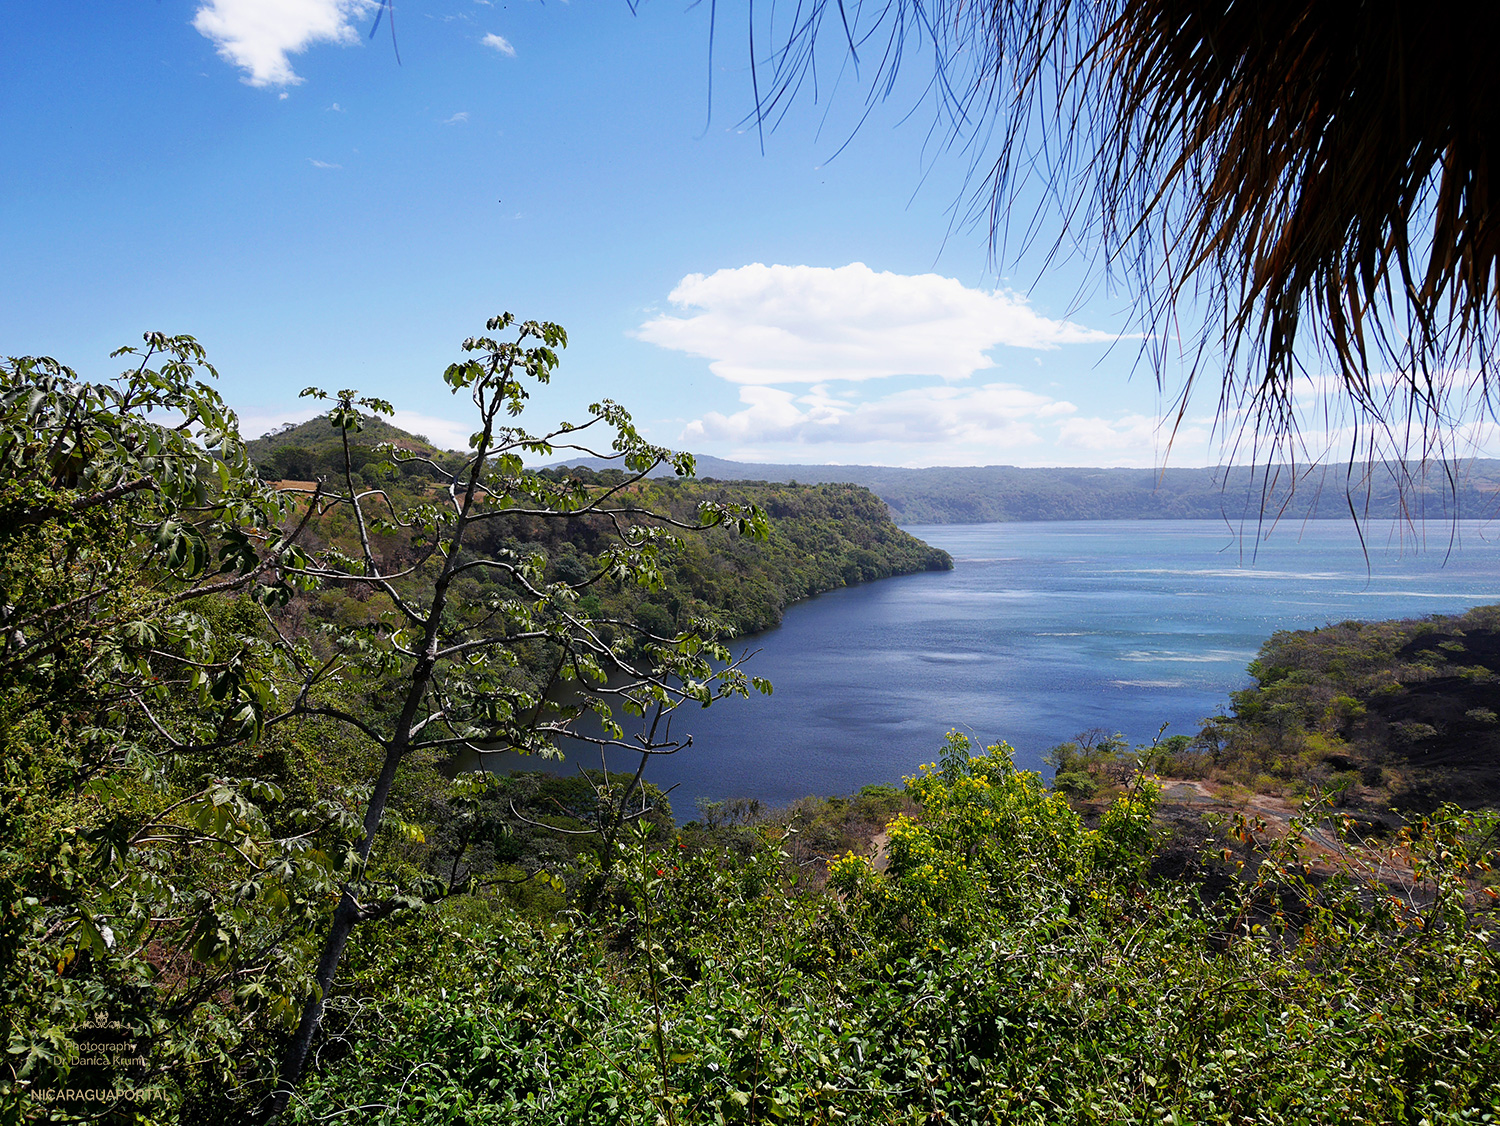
(1042,631)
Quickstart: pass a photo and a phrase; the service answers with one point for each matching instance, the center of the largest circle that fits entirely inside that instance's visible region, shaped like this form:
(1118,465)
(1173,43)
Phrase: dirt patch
(1194,811)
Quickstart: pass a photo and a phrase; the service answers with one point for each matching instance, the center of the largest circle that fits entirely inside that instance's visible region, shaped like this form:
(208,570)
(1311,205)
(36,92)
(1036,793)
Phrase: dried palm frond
(1309,180)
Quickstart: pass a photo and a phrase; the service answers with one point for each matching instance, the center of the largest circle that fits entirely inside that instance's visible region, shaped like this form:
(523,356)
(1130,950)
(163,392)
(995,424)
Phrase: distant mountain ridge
(1000,493)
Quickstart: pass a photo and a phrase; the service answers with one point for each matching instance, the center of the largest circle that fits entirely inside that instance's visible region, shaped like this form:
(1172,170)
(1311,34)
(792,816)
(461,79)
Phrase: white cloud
(441,432)
(1114,435)
(997,424)
(258,422)
(499,43)
(258,35)
(458,118)
(322,163)
(1138,439)
(997,414)
(806,324)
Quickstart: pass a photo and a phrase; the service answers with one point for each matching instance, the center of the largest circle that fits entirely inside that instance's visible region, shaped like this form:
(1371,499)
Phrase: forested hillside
(822,537)
(1391,719)
(1393,712)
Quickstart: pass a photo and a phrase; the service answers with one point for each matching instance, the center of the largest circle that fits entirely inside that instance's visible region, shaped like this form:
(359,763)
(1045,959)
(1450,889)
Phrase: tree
(186,813)
(150,869)
(452,675)
(1314,180)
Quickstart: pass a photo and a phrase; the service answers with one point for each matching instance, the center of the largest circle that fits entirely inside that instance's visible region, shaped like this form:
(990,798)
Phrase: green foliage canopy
(1010,964)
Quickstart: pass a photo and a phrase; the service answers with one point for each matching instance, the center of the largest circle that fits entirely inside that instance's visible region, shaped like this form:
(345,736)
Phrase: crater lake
(1041,631)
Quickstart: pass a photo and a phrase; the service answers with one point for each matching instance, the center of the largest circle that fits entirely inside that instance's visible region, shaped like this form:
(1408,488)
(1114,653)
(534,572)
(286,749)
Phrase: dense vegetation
(822,537)
(1010,965)
(222,703)
(160,859)
(1393,712)
(231,830)
(978,494)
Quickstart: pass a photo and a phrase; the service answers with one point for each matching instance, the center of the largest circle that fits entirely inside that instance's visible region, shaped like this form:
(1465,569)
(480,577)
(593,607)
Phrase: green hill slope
(1397,712)
(313,449)
(824,536)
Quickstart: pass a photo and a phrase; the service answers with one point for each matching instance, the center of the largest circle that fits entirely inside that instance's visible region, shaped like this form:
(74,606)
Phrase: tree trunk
(345,917)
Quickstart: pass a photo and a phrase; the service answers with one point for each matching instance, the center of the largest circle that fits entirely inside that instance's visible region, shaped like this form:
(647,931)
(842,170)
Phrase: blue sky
(263,175)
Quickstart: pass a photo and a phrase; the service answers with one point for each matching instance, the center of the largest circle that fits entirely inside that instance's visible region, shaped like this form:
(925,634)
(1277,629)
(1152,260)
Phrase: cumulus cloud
(499,43)
(806,345)
(765,325)
(998,423)
(1131,438)
(441,432)
(1128,432)
(258,35)
(997,413)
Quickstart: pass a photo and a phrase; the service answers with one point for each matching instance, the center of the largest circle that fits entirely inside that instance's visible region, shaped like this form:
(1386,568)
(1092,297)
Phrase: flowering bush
(1010,965)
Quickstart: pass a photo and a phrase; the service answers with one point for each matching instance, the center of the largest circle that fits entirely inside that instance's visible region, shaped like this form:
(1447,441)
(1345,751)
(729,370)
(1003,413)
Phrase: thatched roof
(1313,176)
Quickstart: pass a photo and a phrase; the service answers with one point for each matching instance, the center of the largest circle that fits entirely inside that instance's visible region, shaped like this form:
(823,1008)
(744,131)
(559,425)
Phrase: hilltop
(1396,713)
(307,450)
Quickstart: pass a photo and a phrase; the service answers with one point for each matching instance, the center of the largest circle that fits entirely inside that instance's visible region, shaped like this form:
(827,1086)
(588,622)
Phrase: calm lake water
(1042,631)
